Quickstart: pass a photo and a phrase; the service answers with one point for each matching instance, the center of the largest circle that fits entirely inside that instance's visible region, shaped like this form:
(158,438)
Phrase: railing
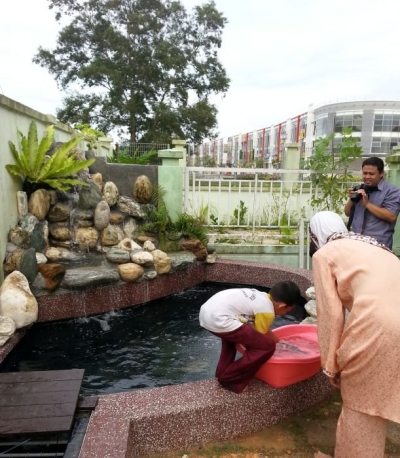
(255,199)
(139,149)
(250,198)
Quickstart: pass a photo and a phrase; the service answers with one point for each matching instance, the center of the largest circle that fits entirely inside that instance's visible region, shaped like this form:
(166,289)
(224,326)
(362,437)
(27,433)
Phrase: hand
(364,197)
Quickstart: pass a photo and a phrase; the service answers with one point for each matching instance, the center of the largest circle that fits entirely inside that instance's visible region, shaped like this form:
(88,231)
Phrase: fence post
(291,161)
(171,177)
(393,176)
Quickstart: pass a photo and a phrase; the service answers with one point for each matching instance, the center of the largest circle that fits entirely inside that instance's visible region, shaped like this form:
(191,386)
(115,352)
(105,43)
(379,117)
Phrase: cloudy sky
(281,56)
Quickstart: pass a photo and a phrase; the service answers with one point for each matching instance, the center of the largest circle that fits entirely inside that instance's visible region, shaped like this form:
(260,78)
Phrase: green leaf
(32,144)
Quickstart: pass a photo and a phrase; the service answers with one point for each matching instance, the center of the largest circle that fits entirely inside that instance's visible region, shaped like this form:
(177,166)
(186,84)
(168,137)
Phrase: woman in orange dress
(359,354)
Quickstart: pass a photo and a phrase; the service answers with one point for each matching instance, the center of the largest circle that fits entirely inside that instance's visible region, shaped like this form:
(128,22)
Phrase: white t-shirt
(229,309)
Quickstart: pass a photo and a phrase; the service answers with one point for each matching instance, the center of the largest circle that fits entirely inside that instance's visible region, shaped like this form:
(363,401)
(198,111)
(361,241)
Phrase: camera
(357,197)
(368,189)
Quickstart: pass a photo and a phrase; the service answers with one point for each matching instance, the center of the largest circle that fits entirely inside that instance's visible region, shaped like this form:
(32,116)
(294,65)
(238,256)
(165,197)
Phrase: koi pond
(151,345)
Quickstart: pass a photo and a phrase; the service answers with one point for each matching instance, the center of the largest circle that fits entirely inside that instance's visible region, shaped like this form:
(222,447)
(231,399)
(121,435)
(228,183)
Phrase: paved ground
(298,437)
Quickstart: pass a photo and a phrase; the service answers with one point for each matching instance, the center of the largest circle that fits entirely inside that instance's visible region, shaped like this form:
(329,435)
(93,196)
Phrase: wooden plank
(60,397)
(40,387)
(37,411)
(40,425)
(87,402)
(41,376)
(38,401)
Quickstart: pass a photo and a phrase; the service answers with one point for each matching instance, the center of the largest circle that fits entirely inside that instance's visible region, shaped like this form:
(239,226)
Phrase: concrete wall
(124,175)
(13,117)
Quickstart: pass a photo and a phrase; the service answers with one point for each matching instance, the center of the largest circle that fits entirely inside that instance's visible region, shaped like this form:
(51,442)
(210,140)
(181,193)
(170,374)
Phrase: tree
(330,170)
(146,67)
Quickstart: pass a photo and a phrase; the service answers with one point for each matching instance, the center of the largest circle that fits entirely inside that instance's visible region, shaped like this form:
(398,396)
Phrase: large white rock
(110,193)
(17,301)
(143,258)
(7,329)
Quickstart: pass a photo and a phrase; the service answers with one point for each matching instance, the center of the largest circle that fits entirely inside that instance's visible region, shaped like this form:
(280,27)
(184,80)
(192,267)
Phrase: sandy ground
(298,437)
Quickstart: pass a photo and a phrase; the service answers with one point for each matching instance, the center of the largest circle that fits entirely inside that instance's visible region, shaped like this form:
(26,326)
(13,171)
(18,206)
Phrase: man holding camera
(374,205)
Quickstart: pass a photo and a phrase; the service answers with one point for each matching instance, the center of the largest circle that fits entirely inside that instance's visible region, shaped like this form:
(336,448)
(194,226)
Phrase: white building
(376,123)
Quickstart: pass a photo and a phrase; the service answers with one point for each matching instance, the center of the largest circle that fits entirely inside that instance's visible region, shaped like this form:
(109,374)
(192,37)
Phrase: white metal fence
(255,199)
(250,198)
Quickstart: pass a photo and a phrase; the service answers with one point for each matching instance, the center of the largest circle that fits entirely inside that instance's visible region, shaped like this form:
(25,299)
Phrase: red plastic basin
(296,357)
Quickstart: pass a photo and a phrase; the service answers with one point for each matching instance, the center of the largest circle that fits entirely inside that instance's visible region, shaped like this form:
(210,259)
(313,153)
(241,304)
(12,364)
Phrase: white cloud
(280,56)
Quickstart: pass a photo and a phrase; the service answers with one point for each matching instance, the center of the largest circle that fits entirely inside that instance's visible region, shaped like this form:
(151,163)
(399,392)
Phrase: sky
(281,56)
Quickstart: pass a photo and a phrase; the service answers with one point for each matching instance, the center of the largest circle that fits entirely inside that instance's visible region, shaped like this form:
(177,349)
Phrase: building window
(386,122)
(321,125)
(346,119)
(383,144)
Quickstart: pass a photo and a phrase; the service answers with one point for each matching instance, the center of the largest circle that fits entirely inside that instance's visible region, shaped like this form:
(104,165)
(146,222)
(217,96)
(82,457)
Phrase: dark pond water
(151,345)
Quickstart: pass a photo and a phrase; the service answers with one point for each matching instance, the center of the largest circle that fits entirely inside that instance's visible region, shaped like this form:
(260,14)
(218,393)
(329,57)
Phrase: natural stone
(143,258)
(111,235)
(19,237)
(148,246)
(211,258)
(41,258)
(131,207)
(58,213)
(116,217)
(22,204)
(150,274)
(146,238)
(84,278)
(10,247)
(311,308)
(86,237)
(17,301)
(130,272)
(53,196)
(61,243)
(130,227)
(29,222)
(142,189)
(52,274)
(89,196)
(37,240)
(54,254)
(85,215)
(197,248)
(60,231)
(7,329)
(128,245)
(84,223)
(102,215)
(39,203)
(28,265)
(117,256)
(110,193)
(310,292)
(162,263)
(97,178)
(13,260)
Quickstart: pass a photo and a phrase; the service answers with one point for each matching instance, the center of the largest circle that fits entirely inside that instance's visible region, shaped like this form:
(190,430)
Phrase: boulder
(101,215)
(130,272)
(162,263)
(17,301)
(110,193)
(7,329)
(39,203)
(142,189)
(197,248)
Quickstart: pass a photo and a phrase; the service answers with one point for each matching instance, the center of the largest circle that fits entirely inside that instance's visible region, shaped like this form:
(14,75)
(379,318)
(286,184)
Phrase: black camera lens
(357,197)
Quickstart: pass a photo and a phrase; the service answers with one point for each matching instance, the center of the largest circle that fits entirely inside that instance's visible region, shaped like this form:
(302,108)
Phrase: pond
(151,345)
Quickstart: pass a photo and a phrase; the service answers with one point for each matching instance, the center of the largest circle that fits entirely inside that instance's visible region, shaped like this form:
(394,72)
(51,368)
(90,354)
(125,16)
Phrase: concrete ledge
(170,418)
